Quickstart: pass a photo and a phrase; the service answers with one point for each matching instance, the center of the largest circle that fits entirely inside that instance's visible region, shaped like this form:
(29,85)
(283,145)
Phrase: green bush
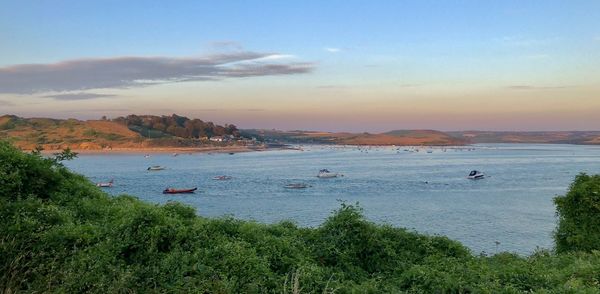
(579,216)
(60,233)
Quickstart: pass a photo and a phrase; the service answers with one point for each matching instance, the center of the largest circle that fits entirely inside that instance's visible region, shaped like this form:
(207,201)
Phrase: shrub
(579,216)
(60,233)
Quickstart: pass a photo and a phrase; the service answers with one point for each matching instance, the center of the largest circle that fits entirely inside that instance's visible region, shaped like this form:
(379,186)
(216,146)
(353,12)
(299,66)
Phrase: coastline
(159,150)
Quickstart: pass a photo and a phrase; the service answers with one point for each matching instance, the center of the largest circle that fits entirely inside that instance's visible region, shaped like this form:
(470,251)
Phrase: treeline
(61,234)
(153,126)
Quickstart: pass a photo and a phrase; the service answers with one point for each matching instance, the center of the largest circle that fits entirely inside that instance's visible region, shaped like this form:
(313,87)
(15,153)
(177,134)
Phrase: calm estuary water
(426,192)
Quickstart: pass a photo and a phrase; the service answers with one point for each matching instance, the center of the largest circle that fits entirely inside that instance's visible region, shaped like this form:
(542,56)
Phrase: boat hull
(182,191)
(327,176)
(296,186)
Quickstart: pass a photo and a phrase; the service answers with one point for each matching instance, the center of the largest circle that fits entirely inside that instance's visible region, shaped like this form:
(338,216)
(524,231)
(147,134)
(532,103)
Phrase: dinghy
(179,191)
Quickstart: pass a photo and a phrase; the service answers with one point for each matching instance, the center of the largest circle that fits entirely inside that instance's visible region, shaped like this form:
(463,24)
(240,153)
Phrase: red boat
(179,191)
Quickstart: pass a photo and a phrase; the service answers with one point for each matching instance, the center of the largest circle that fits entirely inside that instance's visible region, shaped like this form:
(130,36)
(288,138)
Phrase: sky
(313,65)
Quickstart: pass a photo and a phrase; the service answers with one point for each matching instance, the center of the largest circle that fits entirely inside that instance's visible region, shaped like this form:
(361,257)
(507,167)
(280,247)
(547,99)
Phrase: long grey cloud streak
(128,72)
(79,96)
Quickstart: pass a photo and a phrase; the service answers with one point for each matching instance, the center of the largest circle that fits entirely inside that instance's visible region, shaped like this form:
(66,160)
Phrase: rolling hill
(133,132)
(399,137)
(549,137)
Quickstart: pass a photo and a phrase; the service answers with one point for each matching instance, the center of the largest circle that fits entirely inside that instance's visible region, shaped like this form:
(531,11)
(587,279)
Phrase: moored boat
(222,178)
(325,174)
(475,175)
(179,191)
(296,186)
(156,167)
(108,184)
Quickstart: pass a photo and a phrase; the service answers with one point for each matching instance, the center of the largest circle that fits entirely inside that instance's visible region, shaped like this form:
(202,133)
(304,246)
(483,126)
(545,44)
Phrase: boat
(296,186)
(105,185)
(179,191)
(222,178)
(326,174)
(156,167)
(475,175)
(231,153)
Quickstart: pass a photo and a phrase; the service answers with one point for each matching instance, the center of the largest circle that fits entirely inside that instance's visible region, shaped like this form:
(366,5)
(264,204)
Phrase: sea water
(421,191)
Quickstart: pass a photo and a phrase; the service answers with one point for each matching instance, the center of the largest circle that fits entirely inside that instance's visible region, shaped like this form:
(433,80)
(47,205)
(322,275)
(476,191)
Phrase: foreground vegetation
(60,233)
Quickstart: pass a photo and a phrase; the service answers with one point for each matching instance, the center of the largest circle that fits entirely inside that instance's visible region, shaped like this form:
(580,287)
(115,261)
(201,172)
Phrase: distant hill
(133,131)
(151,131)
(399,137)
(556,137)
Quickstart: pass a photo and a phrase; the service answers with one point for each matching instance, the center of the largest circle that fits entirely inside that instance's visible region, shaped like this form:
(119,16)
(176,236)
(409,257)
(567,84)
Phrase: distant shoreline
(159,150)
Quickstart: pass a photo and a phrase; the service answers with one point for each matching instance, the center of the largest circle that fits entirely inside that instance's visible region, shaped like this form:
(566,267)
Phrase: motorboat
(156,167)
(325,174)
(108,184)
(222,178)
(475,175)
(179,191)
(296,186)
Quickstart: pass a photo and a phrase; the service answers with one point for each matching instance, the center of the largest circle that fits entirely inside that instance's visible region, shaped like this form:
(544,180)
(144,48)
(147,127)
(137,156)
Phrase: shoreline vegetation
(61,233)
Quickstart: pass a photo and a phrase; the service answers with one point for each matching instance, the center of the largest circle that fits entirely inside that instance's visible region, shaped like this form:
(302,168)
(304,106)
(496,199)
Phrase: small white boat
(222,178)
(156,167)
(296,186)
(105,185)
(475,175)
(326,174)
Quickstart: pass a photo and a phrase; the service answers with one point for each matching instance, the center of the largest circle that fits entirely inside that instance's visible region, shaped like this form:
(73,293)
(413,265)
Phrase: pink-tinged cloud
(127,72)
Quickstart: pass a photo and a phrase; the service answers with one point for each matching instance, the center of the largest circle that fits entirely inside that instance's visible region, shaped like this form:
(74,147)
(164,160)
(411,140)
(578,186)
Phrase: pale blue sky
(401,64)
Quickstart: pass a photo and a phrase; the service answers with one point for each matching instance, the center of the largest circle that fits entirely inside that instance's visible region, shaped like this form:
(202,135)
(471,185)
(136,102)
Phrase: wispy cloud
(78,96)
(275,57)
(128,72)
(531,87)
(332,49)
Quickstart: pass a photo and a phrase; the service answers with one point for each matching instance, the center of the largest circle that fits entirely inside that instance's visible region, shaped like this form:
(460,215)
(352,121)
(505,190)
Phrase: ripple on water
(425,192)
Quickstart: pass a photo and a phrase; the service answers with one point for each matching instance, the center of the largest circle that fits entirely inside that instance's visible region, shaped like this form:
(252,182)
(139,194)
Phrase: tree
(66,154)
(579,216)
